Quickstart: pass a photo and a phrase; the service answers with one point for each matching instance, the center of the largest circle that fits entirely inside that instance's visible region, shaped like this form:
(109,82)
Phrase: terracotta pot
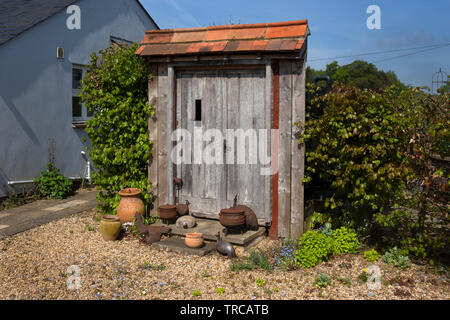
(129,204)
(167,212)
(110,227)
(232,217)
(194,240)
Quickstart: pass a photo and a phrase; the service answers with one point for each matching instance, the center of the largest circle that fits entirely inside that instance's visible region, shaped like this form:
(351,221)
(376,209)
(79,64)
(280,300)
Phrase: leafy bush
(354,148)
(373,151)
(115,91)
(345,241)
(322,280)
(396,257)
(313,248)
(52,184)
(371,256)
(259,259)
(326,229)
(256,260)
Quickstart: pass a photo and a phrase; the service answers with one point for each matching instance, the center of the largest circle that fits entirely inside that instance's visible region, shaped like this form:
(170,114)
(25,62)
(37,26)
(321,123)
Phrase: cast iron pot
(168,212)
(232,217)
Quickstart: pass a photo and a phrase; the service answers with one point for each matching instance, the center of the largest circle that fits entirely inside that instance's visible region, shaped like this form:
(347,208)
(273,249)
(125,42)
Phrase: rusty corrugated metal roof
(262,37)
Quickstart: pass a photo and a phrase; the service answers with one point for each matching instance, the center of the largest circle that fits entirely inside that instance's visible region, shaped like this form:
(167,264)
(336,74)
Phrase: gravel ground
(34,265)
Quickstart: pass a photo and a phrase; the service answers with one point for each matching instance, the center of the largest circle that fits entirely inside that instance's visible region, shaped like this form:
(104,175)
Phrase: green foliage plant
(347,281)
(374,151)
(196,293)
(362,277)
(220,291)
(322,280)
(354,149)
(52,184)
(242,265)
(345,241)
(371,255)
(257,260)
(326,229)
(115,91)
(420,220)
(359,73)
(260,260)
(397,258)
(260,282)
(313,248)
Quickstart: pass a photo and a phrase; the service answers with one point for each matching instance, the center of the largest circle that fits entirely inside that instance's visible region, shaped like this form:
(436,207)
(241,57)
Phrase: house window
(79,112)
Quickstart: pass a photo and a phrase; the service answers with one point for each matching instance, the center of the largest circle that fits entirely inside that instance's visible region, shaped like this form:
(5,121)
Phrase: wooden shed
(226,78)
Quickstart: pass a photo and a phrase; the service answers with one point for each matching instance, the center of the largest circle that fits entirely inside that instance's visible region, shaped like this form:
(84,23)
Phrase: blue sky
(338,28)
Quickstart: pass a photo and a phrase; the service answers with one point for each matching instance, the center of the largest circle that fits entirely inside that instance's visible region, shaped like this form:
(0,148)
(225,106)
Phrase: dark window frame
(75,94)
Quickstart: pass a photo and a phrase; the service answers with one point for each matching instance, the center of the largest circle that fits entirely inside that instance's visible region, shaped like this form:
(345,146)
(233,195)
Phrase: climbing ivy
(115,91)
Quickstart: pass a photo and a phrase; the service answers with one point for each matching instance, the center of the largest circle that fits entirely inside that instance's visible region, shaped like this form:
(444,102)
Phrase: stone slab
(177,245)
(210,228)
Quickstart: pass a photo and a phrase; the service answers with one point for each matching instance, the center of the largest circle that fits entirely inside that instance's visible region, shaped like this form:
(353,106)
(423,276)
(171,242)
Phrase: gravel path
(34,265)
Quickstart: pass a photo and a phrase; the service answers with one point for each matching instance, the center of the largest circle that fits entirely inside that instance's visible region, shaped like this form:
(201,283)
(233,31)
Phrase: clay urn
(110,227)
(130,203)
(194,240)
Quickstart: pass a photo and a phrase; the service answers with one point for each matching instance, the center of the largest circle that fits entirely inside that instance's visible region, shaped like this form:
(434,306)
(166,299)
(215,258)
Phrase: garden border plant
(115,91)
(372,151)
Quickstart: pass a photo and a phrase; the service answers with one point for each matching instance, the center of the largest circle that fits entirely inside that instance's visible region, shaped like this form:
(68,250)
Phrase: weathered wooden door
(246,112)
(221,100)
(199,108)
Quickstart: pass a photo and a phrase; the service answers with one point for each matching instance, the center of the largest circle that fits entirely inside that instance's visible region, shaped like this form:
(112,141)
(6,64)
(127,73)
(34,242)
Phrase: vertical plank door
(247,109)
(199,107)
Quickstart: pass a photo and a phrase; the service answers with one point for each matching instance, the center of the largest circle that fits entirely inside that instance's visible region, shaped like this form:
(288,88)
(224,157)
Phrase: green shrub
(52,184)
(395,257)
(322,280)
(260,260)
(326,229)
(345,241)
(371,256)
(353,147)
(374,152)
(256,260)
(115,90)
(313,248)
